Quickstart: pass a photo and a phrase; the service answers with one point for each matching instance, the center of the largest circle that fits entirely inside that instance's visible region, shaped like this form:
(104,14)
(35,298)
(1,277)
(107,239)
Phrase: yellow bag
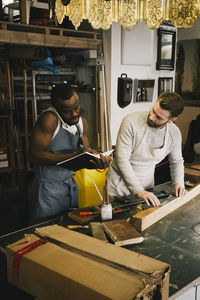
(87,193)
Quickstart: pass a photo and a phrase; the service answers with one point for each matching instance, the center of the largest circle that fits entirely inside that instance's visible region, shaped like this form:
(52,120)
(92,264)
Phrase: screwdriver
(88,213)
(77,226)
(117,211)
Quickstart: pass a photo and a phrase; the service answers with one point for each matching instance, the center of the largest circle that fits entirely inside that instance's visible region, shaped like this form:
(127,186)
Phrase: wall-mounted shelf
(32,93)
(22,34)
(28,105)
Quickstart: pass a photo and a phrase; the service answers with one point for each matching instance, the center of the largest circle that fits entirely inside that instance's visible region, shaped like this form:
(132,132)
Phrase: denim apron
(53,189)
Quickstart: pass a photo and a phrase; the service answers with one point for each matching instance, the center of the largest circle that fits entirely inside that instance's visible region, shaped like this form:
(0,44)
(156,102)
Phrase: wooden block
(122,233)
(144,219)
(139,218)
(97,231)
(74,215)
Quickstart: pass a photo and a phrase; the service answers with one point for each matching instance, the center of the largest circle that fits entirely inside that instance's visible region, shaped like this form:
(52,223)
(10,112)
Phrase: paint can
(106,212)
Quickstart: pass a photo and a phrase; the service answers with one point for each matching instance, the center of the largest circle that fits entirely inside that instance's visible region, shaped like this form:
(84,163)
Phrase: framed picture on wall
(165,84)
(143,90)
(166,49)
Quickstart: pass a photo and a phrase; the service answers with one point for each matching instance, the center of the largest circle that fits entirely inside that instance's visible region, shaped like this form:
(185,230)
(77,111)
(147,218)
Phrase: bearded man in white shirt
(144,139)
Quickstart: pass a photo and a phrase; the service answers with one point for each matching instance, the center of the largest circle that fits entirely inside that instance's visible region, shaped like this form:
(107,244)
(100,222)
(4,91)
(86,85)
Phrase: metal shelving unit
(8,171)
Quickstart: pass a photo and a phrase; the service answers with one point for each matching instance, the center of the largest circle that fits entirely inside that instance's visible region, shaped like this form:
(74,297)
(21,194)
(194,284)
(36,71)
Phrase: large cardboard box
(79,267)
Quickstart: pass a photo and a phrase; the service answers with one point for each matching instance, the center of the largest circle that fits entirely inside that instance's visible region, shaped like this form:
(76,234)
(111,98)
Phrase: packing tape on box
(18,257)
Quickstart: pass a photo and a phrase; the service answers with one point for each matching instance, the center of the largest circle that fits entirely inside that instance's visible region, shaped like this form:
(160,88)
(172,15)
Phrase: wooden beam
(96,229)
(101,113)
(145,218)
(23,11)
(27,38)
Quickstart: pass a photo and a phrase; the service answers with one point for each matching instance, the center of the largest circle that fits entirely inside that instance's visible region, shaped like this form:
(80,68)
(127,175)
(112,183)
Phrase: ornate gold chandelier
(102,13)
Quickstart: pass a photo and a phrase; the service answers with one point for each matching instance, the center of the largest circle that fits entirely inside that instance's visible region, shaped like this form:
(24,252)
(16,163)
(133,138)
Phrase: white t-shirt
(72,128)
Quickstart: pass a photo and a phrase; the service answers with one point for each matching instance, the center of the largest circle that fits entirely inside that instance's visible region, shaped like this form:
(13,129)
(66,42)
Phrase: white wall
(134,53)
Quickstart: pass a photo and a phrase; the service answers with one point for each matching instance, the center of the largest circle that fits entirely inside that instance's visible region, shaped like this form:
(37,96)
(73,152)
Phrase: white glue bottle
(106,208)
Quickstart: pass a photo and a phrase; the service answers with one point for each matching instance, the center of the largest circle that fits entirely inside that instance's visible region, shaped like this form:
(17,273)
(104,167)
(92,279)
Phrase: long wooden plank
(27,38)
(39,28)
(145,218)
(101,113)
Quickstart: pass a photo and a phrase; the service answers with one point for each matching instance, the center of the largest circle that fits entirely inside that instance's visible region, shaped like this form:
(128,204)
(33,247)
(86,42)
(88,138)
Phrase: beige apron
(143,161)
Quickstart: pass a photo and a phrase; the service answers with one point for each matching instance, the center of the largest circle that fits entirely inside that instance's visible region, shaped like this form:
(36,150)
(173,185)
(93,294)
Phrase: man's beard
(153,125)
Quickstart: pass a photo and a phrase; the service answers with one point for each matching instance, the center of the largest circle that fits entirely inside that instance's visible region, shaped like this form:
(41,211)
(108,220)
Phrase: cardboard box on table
(75,266)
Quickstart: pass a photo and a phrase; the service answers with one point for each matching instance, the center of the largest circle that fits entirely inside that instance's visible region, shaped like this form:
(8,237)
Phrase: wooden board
(96,229)
(23,34)
(144,219)
(83,220)
(122,233)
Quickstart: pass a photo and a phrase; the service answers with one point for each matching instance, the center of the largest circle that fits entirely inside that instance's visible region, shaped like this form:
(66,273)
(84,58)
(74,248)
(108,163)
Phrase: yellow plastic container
(87,193)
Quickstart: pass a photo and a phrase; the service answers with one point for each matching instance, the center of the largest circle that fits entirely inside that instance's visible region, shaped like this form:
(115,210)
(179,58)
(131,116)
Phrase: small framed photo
(143,90)
(166,49)
(165,84)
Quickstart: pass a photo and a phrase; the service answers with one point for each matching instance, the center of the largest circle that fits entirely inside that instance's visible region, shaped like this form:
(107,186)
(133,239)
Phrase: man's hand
(86,149)
(103,162)
(179,191)
(148,197)
(100,163)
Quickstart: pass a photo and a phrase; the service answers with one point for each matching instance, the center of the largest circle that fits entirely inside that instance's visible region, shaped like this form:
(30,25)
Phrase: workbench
(192,174)
(171,240)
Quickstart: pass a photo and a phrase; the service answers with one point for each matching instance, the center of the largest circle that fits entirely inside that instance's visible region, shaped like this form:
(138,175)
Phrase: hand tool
(77,226)
(115,211)
(135,200)
(88,208)
(118,211)
(133,203)
(88,213)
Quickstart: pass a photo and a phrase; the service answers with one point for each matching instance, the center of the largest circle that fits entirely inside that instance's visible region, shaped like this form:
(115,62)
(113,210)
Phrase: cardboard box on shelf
(70,265)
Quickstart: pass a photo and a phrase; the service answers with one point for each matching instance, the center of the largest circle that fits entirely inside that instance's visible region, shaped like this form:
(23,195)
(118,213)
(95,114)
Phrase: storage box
(87,193)
(74,266)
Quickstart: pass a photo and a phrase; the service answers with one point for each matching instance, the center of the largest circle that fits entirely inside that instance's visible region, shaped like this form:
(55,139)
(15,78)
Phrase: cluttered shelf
(37,57)
(23,34)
